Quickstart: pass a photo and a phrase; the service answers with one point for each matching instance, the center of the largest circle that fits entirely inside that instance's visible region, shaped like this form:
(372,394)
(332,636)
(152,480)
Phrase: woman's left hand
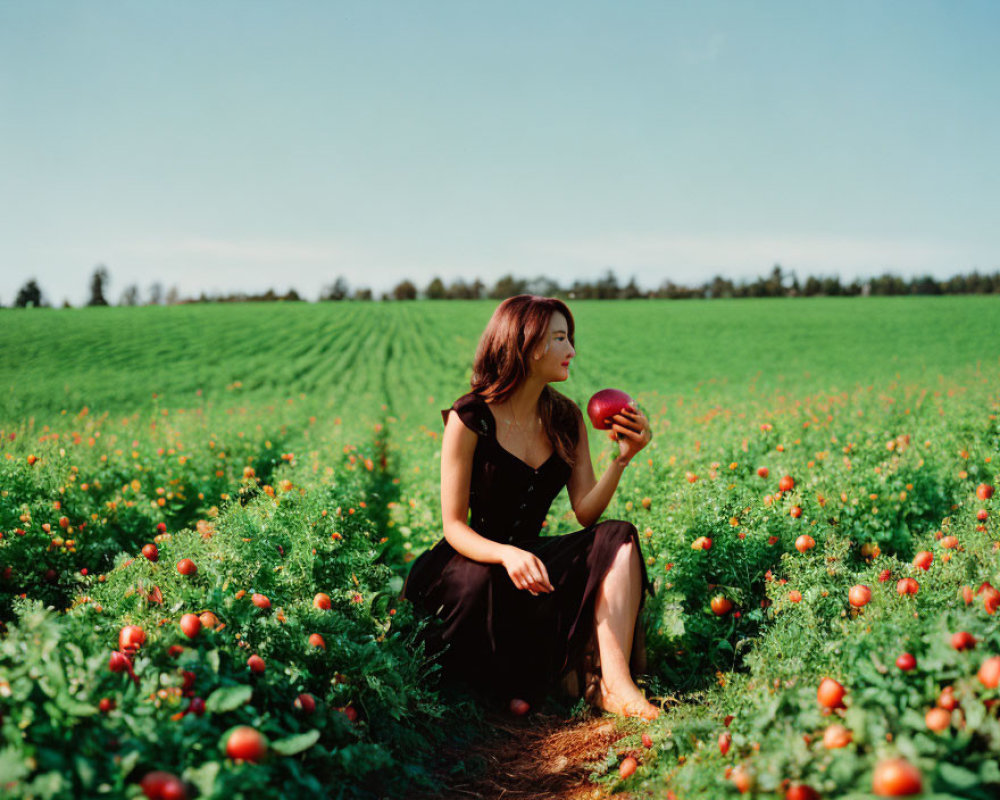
(631,429)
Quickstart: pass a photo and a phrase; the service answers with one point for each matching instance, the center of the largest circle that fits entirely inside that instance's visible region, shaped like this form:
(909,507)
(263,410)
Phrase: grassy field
(352,354)
(291,450)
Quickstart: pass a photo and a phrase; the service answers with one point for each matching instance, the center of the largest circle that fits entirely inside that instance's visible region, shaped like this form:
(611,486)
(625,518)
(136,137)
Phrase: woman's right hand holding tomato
(526,570)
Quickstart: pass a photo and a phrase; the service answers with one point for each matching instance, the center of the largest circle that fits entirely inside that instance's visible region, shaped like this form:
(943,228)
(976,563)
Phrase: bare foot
(627,702)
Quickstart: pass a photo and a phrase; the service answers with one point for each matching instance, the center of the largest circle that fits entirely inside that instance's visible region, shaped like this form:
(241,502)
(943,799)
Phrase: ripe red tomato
(795,511)
(315,640)
(246,743)
(795,596)
(197,706)
(322,601)
(305,703)
(963,640)
(260,601)
(949,542)
(647,740)
(984,491)
(982,515)
(186,567)
(725,740)
(989,672)
(190,625)
(830,693)
(836,736)
(742,779)
(801,791)
(106,704)
(209,620)
(923,559)
(131,637)
(946,699)
(256,664)
(938,719)
(907,586)
(721,605)
(763,472)
(786,484)
(906,662)
(805,542)
(163,786)
(628,767)
(150,551)
(896,777)
(859,595)
(519,707)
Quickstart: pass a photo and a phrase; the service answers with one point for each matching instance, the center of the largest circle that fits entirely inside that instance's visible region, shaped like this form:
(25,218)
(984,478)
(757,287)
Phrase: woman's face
(551,360)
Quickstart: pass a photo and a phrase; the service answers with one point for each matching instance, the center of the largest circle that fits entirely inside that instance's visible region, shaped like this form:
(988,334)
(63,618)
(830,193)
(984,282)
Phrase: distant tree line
(778,283)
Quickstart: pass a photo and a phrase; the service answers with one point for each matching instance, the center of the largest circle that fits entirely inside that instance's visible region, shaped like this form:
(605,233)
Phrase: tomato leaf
(957,777)
(228,698)
(296,744)
(203,777)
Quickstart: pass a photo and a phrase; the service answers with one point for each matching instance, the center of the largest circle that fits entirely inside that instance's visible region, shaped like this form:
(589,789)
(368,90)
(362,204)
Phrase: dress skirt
(503,641)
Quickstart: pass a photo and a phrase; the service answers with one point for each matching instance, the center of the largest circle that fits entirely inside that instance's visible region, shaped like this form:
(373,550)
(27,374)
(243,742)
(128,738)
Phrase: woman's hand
(631,430)
(527,571)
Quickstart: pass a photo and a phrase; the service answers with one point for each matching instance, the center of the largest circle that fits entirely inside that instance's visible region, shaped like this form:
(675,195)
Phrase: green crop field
(290,451)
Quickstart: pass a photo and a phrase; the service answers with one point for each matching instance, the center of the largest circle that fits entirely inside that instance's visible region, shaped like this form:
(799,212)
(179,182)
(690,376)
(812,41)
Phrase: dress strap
(474,413)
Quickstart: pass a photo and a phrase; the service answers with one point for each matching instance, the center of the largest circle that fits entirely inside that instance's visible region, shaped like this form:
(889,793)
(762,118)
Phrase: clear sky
(222,146)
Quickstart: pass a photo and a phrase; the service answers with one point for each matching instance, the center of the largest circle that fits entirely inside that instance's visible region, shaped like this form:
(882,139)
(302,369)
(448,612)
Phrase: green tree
(97,283)
(435,290)
(404,290)
(29,296)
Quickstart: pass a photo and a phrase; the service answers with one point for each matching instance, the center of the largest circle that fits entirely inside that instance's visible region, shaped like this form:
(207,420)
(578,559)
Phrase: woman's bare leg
(614,618)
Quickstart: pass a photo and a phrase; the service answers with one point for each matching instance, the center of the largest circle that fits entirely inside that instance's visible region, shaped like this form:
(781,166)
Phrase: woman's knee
(617,529)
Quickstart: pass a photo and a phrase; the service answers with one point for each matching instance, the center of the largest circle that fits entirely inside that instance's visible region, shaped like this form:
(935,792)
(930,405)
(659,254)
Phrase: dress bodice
(508,499)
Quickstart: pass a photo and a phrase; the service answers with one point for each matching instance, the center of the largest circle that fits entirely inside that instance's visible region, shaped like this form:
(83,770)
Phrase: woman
(517,610)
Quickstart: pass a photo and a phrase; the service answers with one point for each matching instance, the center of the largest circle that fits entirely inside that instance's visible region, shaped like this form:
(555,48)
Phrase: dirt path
(541,757)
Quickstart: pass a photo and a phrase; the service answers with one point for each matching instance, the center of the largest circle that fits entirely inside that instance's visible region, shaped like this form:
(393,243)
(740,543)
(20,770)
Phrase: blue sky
(228,145)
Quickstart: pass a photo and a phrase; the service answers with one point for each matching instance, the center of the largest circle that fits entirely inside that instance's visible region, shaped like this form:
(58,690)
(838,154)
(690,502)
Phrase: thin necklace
(516,423)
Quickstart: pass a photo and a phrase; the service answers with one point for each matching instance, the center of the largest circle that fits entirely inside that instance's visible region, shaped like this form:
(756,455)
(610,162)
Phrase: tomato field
(207,513)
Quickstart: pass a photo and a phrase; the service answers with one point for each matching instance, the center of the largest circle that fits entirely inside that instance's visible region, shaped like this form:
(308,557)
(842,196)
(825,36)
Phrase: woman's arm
(525,569)
(457,449)
(589,496)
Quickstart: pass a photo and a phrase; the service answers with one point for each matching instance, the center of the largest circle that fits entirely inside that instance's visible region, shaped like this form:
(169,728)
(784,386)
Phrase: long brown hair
(518,326)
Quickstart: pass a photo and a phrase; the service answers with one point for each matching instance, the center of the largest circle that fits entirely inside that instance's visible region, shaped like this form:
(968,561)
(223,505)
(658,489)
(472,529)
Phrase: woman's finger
(634,435)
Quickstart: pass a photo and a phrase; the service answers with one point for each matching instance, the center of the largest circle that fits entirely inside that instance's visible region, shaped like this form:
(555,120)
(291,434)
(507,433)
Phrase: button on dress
(499,639)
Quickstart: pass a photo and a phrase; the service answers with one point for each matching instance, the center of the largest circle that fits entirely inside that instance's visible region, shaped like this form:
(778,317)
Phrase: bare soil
(538,757)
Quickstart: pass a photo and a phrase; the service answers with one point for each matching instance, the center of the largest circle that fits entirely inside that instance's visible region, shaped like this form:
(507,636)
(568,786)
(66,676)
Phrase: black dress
(502,640)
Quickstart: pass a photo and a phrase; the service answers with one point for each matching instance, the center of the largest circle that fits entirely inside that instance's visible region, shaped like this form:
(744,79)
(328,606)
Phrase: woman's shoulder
(473,411)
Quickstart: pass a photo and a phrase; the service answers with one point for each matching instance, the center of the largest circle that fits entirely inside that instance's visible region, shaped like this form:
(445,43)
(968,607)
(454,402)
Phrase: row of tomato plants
(258,651)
